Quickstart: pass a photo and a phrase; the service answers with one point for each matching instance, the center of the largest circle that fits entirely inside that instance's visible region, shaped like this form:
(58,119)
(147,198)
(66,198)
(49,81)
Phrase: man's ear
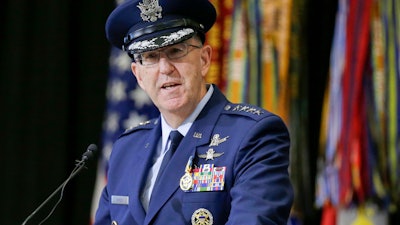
(136,73)
(206,59)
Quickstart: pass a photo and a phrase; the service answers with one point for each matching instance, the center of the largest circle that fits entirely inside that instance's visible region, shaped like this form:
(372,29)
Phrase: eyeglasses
(173,52)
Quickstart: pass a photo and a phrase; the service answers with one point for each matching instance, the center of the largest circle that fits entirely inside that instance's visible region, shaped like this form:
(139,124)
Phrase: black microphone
(80,164)
(89,152)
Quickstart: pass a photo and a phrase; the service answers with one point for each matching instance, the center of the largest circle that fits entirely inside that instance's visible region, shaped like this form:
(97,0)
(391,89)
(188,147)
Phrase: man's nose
(165,65)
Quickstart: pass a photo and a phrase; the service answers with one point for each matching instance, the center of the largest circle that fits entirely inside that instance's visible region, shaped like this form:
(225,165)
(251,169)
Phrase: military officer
(204,160)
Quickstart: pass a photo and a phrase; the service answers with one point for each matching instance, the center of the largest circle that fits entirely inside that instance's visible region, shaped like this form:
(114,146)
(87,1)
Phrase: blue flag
(127,106)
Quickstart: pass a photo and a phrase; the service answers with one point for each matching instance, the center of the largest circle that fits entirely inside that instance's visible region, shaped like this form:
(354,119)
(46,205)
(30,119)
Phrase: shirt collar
(187,123)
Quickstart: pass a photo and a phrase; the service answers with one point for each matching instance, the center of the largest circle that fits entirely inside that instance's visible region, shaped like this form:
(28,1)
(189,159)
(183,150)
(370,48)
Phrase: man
(230,167)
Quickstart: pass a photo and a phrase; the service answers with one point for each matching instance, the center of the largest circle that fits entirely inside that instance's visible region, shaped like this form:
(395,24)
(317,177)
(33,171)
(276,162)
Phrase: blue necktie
(175,138)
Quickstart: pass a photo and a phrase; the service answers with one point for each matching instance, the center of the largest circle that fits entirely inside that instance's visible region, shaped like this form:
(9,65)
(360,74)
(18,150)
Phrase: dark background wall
(53,74)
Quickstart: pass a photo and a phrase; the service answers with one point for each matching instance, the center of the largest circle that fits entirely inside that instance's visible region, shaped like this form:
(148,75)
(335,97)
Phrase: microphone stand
(78,167)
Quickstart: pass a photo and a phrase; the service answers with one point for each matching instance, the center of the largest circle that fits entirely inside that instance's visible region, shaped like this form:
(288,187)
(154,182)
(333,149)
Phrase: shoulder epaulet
(245,110)
(149,124)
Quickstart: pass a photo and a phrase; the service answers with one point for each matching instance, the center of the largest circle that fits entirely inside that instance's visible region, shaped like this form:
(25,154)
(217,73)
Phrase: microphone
(89,152)
(80,164)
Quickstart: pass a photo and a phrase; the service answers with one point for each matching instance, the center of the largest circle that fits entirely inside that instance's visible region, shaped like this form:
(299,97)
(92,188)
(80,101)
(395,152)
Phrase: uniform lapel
(141,167)
(199,134)
(168,183)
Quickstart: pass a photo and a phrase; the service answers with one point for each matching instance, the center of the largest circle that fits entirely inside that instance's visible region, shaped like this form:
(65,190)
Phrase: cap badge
(150,10)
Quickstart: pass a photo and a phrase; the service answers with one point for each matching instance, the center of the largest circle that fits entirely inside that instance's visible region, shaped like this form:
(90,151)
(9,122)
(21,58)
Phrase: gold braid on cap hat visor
(161,26)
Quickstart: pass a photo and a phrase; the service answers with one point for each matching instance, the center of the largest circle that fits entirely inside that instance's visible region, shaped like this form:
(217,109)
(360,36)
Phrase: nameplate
(119,200)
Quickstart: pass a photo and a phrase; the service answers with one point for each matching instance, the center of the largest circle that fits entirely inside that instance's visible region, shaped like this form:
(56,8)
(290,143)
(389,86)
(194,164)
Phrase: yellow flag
(362,218)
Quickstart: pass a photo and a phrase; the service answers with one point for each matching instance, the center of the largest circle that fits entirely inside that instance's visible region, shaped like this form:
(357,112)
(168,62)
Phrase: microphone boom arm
(78,167)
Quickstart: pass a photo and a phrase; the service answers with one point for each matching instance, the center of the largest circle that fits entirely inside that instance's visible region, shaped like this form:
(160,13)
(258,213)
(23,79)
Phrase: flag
(362,138)
(127,106)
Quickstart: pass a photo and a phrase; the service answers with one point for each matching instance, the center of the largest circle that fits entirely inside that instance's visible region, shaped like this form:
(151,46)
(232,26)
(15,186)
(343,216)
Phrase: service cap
(142,25)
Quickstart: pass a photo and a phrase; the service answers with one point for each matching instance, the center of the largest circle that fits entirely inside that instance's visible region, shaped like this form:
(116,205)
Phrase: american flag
(127,106)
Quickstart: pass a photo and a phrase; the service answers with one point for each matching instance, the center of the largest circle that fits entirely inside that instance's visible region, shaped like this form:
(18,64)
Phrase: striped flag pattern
(127,105)
(361,139)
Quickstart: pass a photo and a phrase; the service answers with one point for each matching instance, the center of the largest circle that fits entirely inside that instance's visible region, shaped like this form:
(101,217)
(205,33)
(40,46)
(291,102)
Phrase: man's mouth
(169,86)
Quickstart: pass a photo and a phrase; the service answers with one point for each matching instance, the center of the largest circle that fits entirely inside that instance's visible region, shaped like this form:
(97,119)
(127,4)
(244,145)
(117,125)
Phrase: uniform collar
(187,123)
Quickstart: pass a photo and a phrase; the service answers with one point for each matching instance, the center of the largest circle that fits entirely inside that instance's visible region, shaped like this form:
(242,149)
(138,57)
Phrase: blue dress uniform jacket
(251,143)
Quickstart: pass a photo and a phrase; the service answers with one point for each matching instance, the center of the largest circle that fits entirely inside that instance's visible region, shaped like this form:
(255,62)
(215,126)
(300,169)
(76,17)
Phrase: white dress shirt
(164,143)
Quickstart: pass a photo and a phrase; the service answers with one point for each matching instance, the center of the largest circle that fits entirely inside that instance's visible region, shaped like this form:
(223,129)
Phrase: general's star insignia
(210,154)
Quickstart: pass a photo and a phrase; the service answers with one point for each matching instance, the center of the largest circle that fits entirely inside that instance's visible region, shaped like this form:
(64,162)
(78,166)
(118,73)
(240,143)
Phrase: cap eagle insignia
(150,10)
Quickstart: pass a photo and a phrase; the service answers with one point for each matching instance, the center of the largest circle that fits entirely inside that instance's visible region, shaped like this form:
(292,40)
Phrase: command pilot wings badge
(210,154)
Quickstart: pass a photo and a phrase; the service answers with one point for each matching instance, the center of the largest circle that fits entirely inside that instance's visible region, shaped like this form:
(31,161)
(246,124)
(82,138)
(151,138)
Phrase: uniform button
(114,223)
